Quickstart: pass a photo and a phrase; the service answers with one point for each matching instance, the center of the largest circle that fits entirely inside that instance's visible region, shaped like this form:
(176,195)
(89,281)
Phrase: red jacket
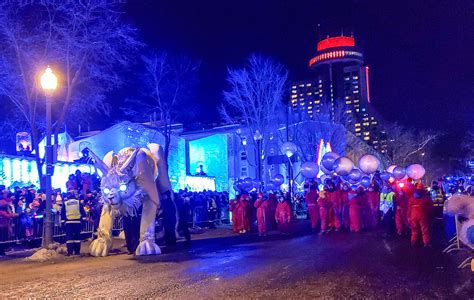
(283,212)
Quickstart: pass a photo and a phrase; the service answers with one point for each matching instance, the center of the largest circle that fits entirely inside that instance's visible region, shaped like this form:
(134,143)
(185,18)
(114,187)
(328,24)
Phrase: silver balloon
(390,168)
(309,169)
(328,160)
(399,173)
(278,179)
(415,171)
(369,163)
(343,165)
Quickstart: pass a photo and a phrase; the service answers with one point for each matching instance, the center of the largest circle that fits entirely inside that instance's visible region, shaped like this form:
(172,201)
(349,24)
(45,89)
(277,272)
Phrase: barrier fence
(30,228)
(22,229)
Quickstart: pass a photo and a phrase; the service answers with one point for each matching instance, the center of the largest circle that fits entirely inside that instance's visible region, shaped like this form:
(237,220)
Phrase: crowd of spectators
(22,209)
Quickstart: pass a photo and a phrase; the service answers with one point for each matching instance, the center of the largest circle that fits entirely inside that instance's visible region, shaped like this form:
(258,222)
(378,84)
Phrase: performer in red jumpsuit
(243,214)
(332,196)
(312,203)
(272,204)
(354,210)
(420,209)
(344,192)
(365,209)
(262,212)
(374,202)
(234,205)
(283,215)
(401,214)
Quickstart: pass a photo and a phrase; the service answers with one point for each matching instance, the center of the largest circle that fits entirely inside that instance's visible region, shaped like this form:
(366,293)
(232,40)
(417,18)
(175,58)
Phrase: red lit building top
(334,42)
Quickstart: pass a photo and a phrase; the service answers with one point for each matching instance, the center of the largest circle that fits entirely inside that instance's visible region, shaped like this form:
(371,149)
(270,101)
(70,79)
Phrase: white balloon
(415,171)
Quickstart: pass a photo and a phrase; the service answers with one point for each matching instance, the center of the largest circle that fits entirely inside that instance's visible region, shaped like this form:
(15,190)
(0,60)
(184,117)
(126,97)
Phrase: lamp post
(49,82)
(258,139)
(289,149)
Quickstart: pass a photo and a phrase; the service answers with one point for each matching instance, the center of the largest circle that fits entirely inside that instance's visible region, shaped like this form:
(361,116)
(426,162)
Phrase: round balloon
(390,168)
(369,163)
(385,176)
(309,169)
(399,173)
(270,186)
(289,149)
(324,170)
(278,179)
(256,184)
(415,171)
(343,166)
(328,160)
(355,175)
(365,181)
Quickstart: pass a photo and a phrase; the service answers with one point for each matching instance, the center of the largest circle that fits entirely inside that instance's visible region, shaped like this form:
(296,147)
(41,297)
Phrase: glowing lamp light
(257,136)
(401,185)
(49,81)
(289,149)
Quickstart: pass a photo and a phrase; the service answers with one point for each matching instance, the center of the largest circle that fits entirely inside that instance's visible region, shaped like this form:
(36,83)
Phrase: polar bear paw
(101,246)
(147,247)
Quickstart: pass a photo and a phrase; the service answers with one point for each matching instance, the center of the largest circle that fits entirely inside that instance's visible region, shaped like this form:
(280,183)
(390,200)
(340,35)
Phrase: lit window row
(334,54)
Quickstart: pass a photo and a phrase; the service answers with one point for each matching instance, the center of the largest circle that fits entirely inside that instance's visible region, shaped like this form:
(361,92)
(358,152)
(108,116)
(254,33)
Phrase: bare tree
(255,96)
(405,145)
(86,43)
(169,83)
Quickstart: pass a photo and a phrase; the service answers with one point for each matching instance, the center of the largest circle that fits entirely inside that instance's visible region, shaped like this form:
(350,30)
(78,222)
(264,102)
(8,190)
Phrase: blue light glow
(211,152)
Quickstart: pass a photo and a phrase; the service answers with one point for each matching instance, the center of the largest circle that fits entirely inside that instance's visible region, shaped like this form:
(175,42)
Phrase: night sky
(420,53)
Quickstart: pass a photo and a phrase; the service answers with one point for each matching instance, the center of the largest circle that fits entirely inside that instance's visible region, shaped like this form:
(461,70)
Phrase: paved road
(225,265)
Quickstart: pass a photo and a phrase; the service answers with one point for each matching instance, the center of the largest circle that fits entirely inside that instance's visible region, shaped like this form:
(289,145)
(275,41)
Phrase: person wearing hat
(420,208)
(243,214)
(72,215)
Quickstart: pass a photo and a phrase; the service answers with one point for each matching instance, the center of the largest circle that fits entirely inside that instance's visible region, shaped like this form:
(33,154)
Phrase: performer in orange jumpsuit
(355,198)
(312,203)
(401,213)
(283,215)
(243,214)
(262,211)
(374,202)
(420,208)
(234,204)
(344,192)
(332,201)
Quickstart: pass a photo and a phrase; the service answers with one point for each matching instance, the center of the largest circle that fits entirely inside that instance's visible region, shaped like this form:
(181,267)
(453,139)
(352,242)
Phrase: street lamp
(258,139)
(289,149)
(49,83)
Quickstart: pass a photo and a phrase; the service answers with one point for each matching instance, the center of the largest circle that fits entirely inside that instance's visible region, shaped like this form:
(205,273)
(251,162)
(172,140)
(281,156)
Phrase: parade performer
(401,214)
(332,206)
(262,211)
(72,215)
(323,211)
(272,205)
(374,202)
(128,187)
(283,215)
(243,214)
(312,203)
(234,205)
(387,207)
(420,209)
(365,208)
(355,198)
(346,220)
